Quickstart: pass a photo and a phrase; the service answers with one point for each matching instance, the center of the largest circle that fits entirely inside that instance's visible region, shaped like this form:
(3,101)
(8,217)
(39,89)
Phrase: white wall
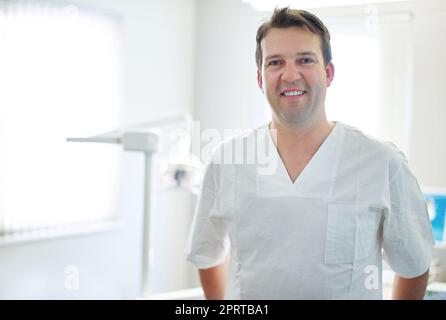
(226,92)
(158,80)
(226,95)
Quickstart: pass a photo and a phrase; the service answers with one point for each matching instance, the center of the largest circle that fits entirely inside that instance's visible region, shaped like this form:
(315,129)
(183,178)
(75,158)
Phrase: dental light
(180,169)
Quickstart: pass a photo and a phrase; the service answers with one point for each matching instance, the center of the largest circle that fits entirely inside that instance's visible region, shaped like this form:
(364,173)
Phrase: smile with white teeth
(292,93)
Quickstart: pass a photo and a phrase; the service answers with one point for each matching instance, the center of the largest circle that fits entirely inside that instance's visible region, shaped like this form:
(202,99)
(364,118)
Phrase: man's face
(293,75)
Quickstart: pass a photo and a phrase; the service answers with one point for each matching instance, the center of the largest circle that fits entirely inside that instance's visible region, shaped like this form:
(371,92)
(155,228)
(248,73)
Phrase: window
(60,77)
(373,86)
(354,96)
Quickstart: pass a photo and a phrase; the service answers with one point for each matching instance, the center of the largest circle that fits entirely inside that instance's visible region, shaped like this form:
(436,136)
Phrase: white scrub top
(320,237)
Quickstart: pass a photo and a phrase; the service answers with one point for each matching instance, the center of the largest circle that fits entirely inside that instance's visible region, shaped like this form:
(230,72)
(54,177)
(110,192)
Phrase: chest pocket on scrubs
(351,233)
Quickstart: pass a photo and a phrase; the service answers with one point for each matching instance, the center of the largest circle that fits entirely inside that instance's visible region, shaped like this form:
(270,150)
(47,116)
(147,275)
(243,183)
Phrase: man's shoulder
(372,146)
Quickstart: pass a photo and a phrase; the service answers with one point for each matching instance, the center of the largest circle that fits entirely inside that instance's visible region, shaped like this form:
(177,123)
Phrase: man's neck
(301,137)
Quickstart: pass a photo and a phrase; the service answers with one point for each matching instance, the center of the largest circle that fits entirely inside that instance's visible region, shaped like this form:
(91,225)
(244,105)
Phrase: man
(313,227)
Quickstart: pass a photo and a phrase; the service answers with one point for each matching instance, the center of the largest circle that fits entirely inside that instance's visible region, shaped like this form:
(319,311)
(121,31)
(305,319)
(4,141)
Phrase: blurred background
(71,214)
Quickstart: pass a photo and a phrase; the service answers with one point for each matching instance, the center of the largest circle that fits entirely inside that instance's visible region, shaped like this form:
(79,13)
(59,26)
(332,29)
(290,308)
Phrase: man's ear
(329,71)
(259,79)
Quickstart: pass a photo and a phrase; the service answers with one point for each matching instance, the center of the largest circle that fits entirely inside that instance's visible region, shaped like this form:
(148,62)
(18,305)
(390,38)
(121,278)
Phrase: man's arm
(213,281)
(410,289)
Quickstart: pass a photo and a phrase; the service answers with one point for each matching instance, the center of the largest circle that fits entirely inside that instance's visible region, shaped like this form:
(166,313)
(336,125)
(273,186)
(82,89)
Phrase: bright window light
(354,96)
(60,77)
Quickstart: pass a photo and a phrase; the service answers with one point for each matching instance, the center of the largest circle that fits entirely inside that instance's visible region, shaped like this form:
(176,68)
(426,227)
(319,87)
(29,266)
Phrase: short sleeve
(208,241)
(407,232)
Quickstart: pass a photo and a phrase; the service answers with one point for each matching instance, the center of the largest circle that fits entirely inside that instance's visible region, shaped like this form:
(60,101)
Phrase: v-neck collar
(317,155)
(317,175)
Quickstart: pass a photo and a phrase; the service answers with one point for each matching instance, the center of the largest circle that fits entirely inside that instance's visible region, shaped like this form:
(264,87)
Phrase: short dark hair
(285,18)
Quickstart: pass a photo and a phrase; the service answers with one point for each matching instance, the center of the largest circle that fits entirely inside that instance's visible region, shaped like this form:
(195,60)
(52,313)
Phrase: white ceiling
(269,5)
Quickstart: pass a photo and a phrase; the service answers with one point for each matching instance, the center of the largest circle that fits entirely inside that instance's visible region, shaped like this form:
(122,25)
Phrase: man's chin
(295,117)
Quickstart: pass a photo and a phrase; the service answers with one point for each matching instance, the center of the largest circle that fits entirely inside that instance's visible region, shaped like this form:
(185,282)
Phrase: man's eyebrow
(273,56)
(304,53)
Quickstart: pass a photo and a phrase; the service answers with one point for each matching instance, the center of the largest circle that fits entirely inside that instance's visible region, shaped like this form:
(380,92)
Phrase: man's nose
(291,73)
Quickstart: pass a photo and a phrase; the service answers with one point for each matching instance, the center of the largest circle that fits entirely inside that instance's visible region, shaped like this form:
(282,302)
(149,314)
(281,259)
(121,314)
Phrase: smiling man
(294,76)
(317,225)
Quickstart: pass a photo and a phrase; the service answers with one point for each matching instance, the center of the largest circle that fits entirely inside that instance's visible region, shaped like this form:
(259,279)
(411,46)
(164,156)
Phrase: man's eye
(274,63)
(307,60)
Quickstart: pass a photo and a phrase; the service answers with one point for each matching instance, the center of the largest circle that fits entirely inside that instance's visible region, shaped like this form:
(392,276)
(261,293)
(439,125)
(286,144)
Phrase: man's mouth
(292,93)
